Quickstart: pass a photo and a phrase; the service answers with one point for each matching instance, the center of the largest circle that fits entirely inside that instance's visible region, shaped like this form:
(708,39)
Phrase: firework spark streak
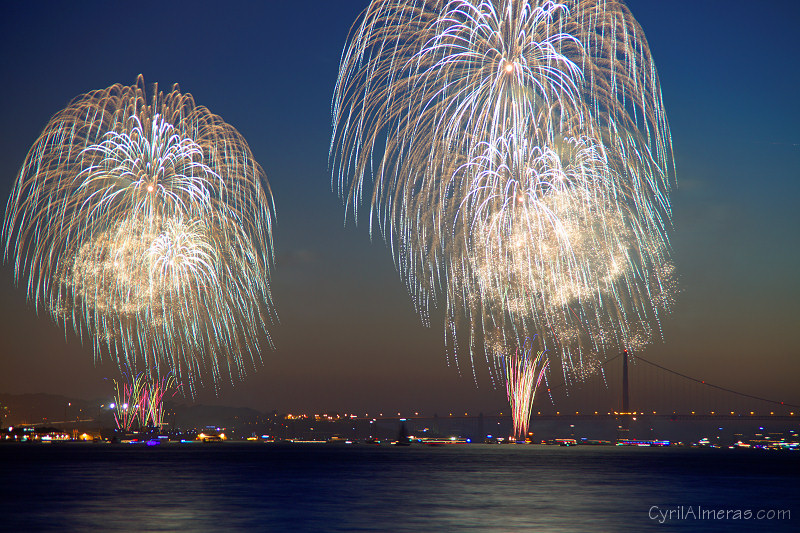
(154,400)
(521,164)
(523,372)
(146,224)
(126,400)
(140,401)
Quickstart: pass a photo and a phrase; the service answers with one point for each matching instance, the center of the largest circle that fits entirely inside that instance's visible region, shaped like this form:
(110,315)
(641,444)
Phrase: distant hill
(199,416)
(46,409)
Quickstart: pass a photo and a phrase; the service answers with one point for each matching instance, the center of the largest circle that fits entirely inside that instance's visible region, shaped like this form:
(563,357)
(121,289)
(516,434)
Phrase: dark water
(259,487)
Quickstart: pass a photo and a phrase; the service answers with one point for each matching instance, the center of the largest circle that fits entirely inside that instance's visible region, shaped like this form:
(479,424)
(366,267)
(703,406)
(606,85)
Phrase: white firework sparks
(147,224)
(522,164)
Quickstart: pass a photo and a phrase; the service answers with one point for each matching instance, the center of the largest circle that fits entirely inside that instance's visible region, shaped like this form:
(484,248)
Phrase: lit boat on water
(642,443)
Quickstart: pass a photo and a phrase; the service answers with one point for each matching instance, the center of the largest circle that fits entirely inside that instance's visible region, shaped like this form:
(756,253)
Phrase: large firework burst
(145,222)
(522,164)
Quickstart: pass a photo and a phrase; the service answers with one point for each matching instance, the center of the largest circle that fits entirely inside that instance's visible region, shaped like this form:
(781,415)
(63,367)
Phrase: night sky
(348,337)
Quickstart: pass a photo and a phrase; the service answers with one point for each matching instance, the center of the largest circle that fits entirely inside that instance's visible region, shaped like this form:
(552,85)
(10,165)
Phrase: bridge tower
(626,408)
(624,427)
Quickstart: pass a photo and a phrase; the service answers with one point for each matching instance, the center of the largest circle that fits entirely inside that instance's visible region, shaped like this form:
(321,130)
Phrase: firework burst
(521,162)
(145,222)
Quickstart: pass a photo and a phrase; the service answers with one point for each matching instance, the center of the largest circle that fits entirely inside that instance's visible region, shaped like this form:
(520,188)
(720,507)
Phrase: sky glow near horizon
(348,337)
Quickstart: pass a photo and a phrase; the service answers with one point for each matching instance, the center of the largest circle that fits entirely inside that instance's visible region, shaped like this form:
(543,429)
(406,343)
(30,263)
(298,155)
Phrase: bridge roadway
(605,416)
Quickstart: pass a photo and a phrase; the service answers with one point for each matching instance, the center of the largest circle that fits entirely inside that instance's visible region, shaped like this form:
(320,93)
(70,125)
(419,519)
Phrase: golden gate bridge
(624,393)
(643,387)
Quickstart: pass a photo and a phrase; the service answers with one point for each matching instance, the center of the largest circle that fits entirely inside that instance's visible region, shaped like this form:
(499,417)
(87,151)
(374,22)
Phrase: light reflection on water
(262,487)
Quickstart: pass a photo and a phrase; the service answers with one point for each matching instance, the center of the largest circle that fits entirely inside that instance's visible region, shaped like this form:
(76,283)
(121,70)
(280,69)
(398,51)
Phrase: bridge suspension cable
(703,382)
(606,363)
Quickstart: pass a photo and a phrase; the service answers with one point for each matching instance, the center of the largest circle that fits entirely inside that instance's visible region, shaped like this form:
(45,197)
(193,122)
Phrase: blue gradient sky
(349,338)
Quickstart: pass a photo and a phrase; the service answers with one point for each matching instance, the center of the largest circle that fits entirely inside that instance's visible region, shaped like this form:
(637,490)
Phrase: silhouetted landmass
(43,408)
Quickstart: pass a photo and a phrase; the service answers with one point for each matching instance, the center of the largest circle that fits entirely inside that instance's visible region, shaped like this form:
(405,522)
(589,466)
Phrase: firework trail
(155,393)
(139,401)
(146,224)
(523,374)
(521,164)
(127,396)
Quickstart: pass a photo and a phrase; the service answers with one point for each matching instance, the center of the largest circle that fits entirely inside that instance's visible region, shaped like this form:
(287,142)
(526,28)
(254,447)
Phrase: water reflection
(328,488)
